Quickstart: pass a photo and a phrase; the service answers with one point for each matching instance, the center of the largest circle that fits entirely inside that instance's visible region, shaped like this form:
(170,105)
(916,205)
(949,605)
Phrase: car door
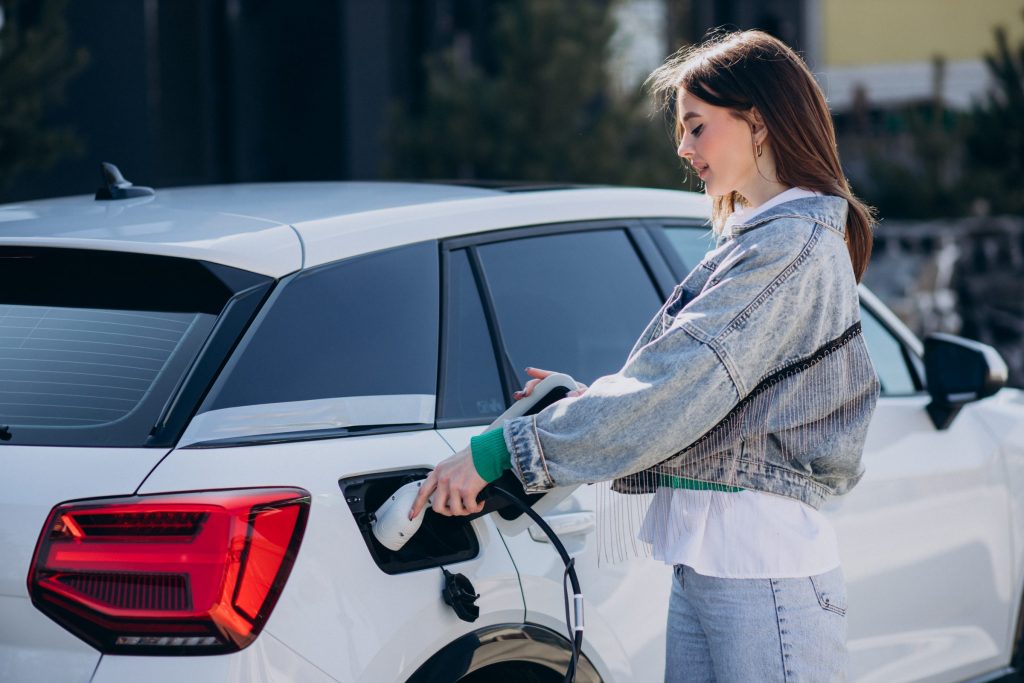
(332,390)
(924,536)
(569,298)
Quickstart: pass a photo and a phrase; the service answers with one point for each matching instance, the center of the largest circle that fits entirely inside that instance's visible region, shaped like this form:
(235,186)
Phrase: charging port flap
(439,541)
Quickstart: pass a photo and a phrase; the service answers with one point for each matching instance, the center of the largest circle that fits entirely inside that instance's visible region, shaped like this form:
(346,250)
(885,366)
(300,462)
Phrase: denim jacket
(754,373)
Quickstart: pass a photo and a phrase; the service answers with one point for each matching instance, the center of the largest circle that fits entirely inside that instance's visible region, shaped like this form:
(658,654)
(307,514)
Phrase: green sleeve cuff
(490,456)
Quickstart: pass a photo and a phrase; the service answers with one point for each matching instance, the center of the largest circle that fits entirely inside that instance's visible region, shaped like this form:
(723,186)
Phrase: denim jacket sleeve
(681,383)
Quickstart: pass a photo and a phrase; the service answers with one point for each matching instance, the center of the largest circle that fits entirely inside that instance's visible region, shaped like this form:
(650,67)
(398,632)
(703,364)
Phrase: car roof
(278,228)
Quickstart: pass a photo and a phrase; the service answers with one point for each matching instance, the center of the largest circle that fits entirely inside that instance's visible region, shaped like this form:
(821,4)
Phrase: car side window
(690,243)
(888,356)
(569,302)
(360,336)
(472,384)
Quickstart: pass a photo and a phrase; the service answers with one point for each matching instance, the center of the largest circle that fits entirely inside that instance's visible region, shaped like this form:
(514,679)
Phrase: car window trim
(658,269)
(657,228)
(637,234)
(307,435)
(538,230)
(447,295)
(909,345)
(184,401)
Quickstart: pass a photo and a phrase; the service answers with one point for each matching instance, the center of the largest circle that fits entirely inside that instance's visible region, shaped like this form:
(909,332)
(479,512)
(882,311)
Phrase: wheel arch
(504,643)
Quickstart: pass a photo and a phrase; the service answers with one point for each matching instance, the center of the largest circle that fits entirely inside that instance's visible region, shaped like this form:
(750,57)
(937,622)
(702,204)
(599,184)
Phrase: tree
(930,161)
(916,171)
(540,107)
(995,137)
(36,64)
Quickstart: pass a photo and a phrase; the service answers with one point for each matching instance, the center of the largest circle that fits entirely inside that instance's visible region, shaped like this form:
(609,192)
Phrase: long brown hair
(751,69)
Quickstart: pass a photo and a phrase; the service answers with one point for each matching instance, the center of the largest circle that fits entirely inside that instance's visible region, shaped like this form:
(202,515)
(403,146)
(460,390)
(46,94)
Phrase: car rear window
(93,344)
(80,367)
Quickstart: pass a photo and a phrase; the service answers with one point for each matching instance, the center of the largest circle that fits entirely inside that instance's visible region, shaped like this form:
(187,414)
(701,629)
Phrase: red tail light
(183,573)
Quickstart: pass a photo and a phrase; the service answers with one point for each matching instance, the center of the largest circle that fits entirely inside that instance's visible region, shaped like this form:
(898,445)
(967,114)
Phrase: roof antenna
(116,187)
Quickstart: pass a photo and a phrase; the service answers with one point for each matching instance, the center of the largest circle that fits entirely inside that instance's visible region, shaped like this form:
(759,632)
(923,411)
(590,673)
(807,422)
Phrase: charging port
(440,540)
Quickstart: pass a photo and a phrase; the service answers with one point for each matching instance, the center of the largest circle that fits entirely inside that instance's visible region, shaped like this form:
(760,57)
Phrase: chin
(712,189)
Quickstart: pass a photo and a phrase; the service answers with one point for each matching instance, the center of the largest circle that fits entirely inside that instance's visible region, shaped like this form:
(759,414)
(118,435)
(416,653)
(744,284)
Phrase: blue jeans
(760,630)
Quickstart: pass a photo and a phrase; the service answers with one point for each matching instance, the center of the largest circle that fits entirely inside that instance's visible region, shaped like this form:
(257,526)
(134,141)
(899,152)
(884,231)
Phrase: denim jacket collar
(827,210)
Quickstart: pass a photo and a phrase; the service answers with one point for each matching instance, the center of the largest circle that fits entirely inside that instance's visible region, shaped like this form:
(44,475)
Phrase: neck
(763,183)
(762,192)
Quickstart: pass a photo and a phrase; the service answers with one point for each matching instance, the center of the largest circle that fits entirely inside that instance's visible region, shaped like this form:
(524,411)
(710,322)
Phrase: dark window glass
(472,387)
(366,326)
(573,303)
(690,243)
(887,355)
(77,367)
(93,343)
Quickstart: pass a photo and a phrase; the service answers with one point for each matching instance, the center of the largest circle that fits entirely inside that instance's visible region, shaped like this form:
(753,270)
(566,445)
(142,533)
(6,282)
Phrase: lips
(701,169)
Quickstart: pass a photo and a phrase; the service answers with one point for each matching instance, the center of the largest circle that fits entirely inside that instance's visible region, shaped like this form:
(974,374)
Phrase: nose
(685,149)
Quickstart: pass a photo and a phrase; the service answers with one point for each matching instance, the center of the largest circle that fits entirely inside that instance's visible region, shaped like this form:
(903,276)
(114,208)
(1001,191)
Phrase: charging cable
(392,528)
(574,626)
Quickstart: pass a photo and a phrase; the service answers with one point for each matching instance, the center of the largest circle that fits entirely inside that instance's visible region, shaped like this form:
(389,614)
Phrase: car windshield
(92,344)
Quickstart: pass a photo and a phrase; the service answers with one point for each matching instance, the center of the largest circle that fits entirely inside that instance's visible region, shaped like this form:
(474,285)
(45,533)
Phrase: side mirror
(959,371)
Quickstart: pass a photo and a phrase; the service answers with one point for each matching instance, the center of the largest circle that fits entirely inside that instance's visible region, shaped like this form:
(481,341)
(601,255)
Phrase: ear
(757,127)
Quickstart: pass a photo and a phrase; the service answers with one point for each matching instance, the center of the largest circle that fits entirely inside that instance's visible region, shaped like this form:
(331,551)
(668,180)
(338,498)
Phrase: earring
(759,148)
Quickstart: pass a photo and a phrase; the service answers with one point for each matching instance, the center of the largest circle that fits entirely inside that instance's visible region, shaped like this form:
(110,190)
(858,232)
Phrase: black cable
(570,572)
(565,593)
(574,634)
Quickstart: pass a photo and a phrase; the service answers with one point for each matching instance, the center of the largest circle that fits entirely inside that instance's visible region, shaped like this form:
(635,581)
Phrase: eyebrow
(689,115)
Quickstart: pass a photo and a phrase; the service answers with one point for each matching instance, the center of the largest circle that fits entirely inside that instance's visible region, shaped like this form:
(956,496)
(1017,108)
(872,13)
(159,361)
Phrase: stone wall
(963,276)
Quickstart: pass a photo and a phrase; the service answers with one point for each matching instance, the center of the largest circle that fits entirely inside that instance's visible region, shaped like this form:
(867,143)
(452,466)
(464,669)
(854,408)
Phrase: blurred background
(927,98)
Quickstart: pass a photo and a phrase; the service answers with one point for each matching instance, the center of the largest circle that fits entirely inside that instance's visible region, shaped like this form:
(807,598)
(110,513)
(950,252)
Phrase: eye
(696,131)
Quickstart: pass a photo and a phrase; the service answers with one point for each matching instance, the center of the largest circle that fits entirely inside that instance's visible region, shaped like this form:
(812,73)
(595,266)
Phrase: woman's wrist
(490,455)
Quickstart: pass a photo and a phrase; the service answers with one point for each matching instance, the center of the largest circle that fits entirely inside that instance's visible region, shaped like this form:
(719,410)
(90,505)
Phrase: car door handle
(565,524)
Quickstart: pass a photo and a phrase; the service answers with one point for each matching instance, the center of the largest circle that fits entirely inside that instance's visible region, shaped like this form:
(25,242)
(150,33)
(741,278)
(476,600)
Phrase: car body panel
(267,660)
(1003,416)
(276,228)
(35,648)
(294,203)
(634,592)
(149,226)
(925,545)
(339,610)
(332,239)
(35,479)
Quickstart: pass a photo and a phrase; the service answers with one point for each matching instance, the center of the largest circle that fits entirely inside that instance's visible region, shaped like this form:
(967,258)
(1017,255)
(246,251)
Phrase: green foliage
(545,110)
(936,162)
(36,63)
(995,137)
(923,179)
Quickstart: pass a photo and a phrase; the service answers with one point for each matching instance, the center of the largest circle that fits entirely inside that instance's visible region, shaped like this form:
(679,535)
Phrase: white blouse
(747,534)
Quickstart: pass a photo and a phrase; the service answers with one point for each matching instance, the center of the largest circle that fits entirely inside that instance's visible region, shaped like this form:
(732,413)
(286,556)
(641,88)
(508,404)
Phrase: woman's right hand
(538,375)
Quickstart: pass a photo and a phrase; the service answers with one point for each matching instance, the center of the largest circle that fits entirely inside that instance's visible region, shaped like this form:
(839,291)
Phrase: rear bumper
(35,648)
(267,660)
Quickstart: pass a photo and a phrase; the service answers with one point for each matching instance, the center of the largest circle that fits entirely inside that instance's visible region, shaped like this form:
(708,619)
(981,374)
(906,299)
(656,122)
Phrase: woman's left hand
(455,485)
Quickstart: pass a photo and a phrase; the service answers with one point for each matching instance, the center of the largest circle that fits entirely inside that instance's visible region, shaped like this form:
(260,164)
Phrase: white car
(205,392)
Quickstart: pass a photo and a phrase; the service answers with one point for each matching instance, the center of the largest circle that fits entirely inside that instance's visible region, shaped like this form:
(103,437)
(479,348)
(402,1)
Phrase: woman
(744,405)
